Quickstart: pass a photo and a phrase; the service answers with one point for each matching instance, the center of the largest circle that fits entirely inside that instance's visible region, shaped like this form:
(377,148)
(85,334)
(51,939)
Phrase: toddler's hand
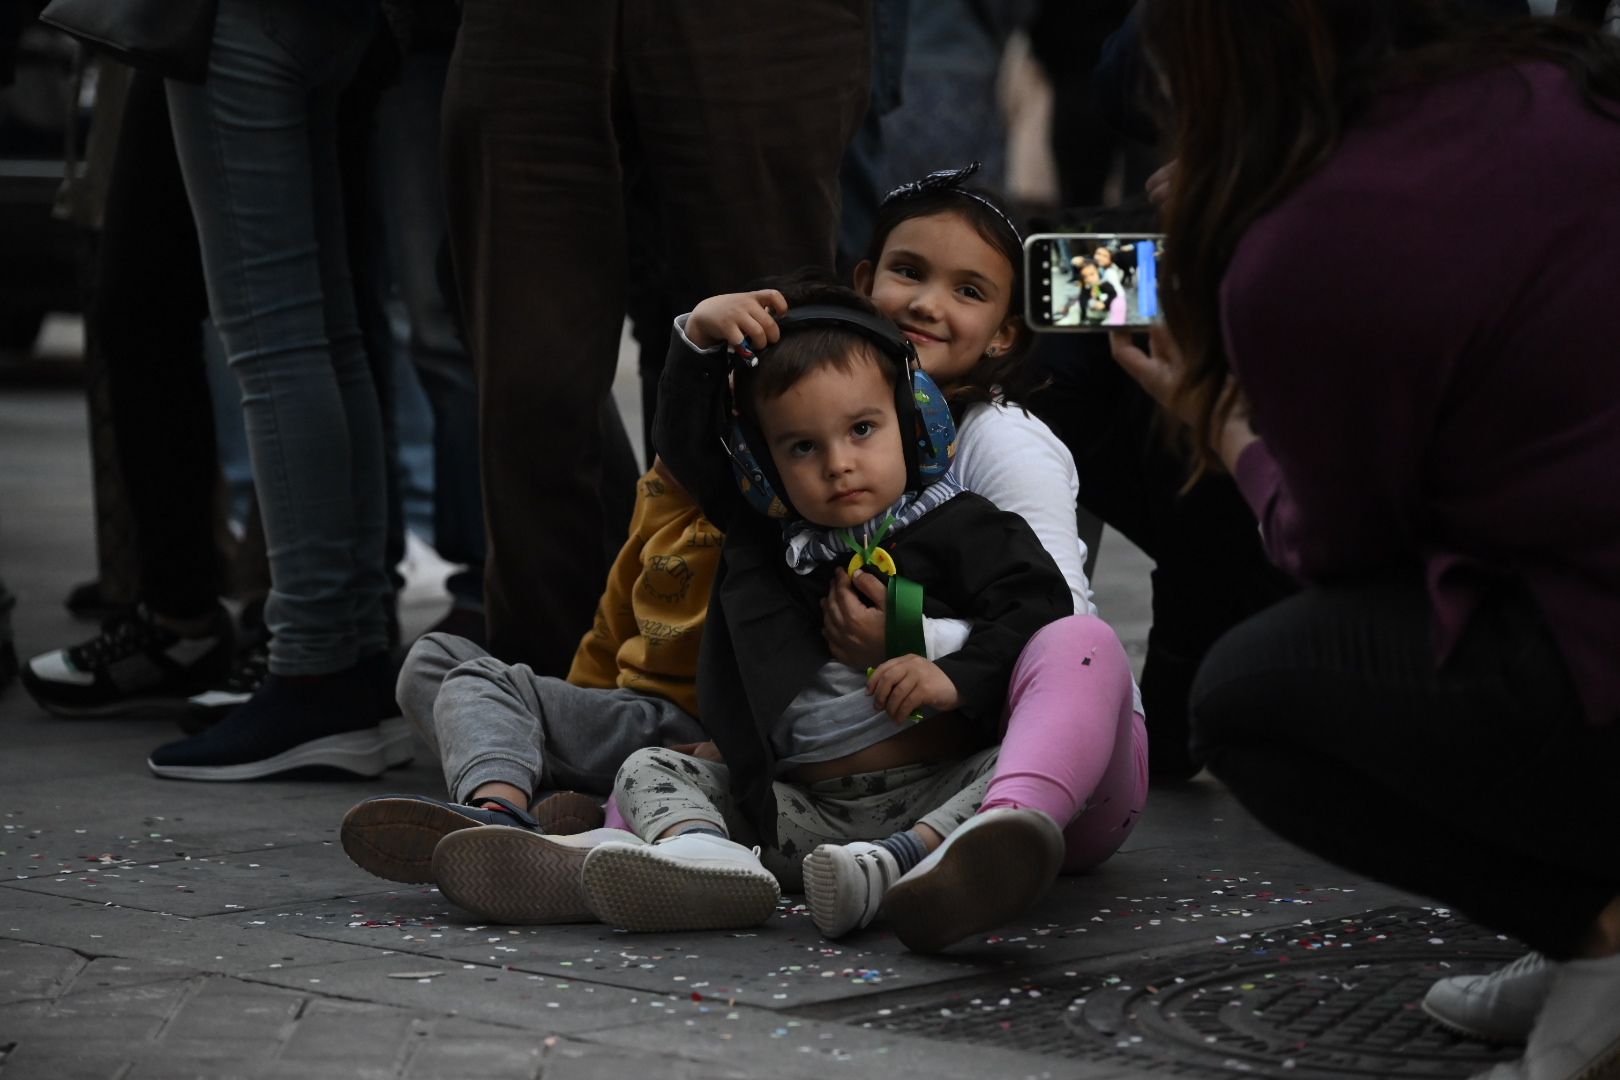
(854,631)
(704,750)
(730,317)
(907,683)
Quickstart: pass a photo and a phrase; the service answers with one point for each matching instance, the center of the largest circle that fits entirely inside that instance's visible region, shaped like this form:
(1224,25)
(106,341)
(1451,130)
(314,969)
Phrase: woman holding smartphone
(1439,707)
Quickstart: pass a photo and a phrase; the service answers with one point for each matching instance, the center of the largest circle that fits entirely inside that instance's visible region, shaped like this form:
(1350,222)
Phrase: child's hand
(730,317)
(704,750)
(854,631)
(907,683)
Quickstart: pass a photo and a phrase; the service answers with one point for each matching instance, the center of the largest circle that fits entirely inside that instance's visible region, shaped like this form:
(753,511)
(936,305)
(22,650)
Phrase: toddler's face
(1089,275)
(835,440)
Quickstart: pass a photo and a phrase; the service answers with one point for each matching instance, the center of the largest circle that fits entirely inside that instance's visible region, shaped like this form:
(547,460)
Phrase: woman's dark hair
(1269,87)
(1008,370)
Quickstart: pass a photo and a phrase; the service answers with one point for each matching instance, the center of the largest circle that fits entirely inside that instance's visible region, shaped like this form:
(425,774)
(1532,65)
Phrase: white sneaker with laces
(694,881)
(844,885)
(1577,1034)
(1499,1007)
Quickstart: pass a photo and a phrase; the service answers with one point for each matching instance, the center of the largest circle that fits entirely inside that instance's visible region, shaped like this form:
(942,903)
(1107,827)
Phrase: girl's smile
(947,288)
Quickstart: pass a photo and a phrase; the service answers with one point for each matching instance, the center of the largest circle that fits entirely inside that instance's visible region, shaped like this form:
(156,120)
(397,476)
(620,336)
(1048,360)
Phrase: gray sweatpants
(657,788)
(491,721)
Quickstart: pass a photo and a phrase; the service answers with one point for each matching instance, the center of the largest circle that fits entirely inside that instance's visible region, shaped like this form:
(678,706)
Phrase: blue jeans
(258,149)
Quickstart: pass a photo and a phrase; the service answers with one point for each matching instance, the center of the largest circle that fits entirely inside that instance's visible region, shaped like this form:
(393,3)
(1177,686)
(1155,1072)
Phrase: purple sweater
(1428,330)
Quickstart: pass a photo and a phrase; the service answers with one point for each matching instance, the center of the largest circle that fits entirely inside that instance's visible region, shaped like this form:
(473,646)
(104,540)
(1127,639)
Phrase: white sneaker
(694,881)
(1577,1035)
(844,885)
(986,873)
(1499,1007)
(503,874)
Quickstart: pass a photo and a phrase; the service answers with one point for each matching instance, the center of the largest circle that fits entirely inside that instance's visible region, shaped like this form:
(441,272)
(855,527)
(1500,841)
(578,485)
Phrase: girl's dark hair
(1269,87)
(1008,370)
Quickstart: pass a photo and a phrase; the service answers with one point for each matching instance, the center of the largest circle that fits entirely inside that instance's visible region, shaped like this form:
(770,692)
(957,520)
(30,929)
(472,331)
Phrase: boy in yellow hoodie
(504,733)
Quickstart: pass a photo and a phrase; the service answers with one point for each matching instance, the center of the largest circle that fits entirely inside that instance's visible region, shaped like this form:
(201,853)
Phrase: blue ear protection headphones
(919,404)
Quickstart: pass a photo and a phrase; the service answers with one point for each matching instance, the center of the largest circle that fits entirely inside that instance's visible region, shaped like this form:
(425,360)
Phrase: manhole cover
(1329,999)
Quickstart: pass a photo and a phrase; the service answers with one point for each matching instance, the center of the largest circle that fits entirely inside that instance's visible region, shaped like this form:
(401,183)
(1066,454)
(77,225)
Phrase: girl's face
(947,289)
(1089,275)
(1105,258)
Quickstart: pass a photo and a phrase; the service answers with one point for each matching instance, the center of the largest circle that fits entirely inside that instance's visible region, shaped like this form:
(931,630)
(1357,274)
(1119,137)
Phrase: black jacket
(762,639)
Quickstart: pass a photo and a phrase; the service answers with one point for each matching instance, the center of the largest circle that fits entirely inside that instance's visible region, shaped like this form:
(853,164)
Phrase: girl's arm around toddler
(693,397)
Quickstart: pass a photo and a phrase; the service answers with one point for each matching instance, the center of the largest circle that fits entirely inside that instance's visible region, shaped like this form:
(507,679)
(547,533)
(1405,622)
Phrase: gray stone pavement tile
(815,1049)
(213,884)
(430,985)
(118,1015)
(46,830)
(204,944)
(30,971)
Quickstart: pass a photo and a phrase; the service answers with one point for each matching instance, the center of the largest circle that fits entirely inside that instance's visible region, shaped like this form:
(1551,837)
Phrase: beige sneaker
(508,875)
(694,881)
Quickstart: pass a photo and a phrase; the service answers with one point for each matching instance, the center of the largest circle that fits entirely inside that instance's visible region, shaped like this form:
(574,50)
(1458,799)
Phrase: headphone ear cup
(756,489)
(936,429)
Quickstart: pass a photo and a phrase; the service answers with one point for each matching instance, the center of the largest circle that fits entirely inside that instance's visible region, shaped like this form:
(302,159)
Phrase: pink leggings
(1072,744)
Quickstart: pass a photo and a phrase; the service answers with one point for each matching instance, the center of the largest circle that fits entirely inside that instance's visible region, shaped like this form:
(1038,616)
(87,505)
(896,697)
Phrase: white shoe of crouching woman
(992,869)
(1577,1033)
(694,881)
(1499,1007)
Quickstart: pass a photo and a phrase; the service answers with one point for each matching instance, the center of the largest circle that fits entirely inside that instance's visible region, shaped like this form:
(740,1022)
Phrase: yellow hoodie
(649,621)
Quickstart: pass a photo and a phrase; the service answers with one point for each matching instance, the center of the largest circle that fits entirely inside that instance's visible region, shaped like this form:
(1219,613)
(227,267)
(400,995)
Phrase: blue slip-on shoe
(393,836)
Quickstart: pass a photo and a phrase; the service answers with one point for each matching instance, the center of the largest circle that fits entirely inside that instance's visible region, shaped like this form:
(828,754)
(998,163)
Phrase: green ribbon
(903,604)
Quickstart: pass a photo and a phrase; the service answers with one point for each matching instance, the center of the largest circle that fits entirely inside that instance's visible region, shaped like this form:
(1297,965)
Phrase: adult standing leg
(532,184)
(747,162)
(145,316)
(747,166)
(258,149)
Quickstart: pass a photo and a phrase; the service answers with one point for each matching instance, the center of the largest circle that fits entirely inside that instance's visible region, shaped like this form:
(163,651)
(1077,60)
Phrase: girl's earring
(992,352)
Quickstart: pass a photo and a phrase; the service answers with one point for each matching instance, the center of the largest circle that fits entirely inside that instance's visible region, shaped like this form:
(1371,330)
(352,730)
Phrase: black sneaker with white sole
(328,721)
(247,675)
(134,667)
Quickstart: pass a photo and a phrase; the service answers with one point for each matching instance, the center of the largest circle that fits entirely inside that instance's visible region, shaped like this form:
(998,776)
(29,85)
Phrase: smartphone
(1078,282)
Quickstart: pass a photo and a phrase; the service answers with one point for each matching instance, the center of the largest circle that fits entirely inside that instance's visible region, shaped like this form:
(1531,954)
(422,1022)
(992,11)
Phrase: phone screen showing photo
(1092,281)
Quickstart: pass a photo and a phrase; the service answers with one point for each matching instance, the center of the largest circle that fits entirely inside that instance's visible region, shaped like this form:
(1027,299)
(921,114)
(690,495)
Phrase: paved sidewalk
(161,929)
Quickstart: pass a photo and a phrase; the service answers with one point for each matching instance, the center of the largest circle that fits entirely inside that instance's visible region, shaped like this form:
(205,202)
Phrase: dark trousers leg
(1210,572)
(533,184)
(147,314)
(1479,783)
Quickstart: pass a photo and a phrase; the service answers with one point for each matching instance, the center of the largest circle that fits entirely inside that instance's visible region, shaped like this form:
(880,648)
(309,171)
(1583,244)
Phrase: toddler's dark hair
(1007,371)
(808,349)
